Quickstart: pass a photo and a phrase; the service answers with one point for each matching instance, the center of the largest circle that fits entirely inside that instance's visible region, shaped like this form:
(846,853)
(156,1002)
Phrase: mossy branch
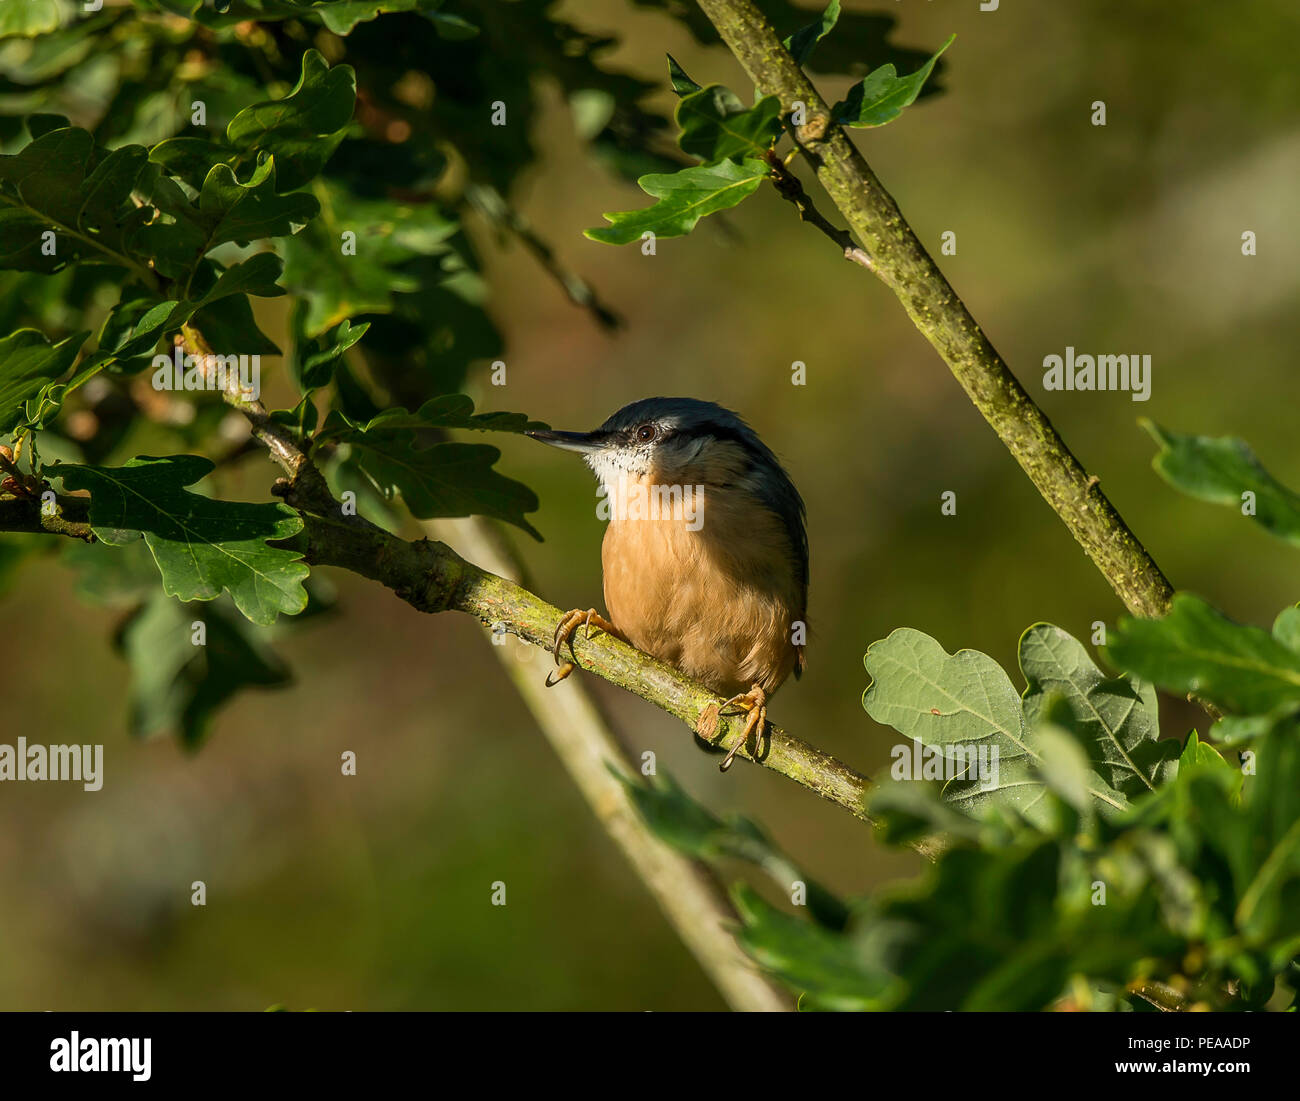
(431,577)
(895,254)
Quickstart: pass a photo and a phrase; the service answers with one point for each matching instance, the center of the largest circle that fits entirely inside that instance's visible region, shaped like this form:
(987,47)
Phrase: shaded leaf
(234,211)
(303,129)
(447,479)
(345,277)
(446,411)
(28,362)
(61,181)
(881,96)
(202,546)
(802,43)
(716,126)
(178,686)
(312,364)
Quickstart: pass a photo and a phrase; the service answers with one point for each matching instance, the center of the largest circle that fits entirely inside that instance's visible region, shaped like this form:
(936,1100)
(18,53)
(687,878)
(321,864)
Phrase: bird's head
(665,440)
(684,441)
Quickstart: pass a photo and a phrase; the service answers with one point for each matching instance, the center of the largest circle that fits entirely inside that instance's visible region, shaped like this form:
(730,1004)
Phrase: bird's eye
(646,433)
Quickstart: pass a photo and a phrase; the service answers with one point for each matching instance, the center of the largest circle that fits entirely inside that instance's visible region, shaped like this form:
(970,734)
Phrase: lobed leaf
(1116,719)
(963,703)
(202,546)
(684,198)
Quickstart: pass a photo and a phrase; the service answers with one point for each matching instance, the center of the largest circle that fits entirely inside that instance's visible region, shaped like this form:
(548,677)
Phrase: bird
(705,557)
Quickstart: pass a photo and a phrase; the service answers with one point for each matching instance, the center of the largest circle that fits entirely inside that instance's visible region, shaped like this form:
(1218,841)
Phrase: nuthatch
(705,559)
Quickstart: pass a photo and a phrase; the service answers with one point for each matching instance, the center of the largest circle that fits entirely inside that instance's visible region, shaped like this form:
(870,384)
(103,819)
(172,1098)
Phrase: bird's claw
(754,704)
(556,675)
(564,631)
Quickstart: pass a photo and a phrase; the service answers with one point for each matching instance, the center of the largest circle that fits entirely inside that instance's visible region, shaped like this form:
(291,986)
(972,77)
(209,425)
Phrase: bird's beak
(583,442)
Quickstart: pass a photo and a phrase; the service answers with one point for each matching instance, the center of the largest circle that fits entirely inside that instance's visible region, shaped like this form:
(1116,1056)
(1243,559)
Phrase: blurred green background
(373,892)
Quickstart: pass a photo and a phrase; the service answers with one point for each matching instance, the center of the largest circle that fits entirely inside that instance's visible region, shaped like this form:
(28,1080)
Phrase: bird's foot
(754,704)
(570,622)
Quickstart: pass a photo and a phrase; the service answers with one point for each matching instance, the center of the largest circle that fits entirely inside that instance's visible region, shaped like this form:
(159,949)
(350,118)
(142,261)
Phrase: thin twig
(493,206)
(790,188)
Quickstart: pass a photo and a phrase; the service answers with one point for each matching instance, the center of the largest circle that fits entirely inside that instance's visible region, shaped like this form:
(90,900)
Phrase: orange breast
(720,602)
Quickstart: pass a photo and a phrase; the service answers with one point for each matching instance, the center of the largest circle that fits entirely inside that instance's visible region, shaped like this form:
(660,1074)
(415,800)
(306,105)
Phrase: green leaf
(963,703)
(202,546)
(62,181)
(684,198)
(28,361)
(451,28)
(716,126)
(1264,851)
(342,278)
(313,359)
(802,43)
(40,124)
(447,479)
(682,84)
(1244,729)
(1221,470)
(257,276)
(179,686)
(135,325)
(303,129)
(881,95)
(908,810)
(1198,650)
(234,211)
(228,326)
(190,158)
(1116,720)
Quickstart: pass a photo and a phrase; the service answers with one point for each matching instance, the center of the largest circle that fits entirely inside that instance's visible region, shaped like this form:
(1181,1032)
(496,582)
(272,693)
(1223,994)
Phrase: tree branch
(897,256)
(431,577)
